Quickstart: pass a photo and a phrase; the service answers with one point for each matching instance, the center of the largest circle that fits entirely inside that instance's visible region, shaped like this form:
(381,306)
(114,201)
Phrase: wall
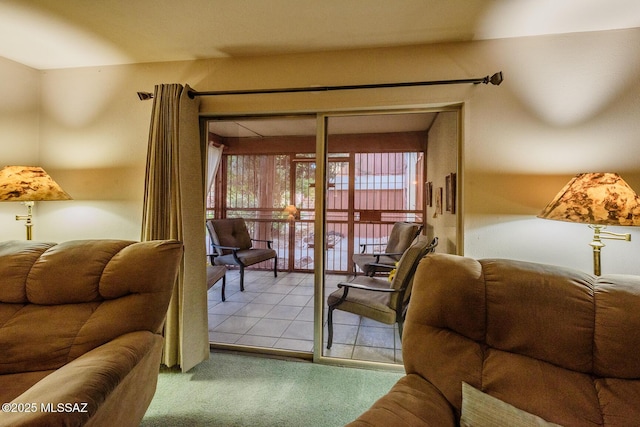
(19,133)
(568,104)
(442,160)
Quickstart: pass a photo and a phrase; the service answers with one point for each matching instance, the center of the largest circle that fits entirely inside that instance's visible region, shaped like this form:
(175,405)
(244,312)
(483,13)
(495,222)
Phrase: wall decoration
(438,201)
(429,193)
(450,184)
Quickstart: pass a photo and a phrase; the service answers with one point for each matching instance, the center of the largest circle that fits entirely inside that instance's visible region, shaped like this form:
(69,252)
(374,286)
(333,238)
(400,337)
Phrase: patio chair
(214,274)
(401,237)
(232,245)
(376,298)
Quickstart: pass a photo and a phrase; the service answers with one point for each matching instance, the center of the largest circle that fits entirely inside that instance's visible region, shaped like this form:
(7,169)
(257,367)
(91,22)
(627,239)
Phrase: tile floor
(277,313)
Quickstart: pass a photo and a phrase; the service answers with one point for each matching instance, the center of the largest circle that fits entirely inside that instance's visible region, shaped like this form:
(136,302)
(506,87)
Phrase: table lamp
(292,211)
(597,199)
(28,184)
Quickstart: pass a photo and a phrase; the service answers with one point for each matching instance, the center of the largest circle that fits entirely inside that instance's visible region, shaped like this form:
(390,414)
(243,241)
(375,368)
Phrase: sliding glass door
(320,188)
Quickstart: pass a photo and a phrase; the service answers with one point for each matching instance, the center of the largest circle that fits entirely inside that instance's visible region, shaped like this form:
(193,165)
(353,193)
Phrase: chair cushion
(215,273)
(373,305)
(402,234)
(247,257)
(230,232)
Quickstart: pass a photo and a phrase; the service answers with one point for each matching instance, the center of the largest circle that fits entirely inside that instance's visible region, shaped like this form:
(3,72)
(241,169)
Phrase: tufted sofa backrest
(552,341)
(58,301)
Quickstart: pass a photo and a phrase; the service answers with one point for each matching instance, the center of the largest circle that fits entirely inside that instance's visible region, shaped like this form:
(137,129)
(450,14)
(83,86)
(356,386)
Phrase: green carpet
(246,390)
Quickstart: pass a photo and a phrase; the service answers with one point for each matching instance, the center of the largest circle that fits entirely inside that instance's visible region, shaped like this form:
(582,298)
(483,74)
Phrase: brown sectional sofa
(80,326)
(546,341)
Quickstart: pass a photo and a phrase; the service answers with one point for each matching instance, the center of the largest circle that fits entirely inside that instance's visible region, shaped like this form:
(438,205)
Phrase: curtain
(214,154)
(173,208)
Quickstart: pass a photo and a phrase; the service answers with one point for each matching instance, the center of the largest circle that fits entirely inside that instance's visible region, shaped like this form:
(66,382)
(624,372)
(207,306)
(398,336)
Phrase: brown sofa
(79,329)
(528,340)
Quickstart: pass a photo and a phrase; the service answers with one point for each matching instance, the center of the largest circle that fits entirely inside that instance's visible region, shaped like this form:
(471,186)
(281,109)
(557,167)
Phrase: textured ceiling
(49,34)
(306,126)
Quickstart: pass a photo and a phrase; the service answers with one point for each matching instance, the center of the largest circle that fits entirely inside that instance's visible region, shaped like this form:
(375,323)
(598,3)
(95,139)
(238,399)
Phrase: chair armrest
(381,265)
(234,251)
(350,285)
(363,247)
(345,286)
(268,242)
(230,248)
(390,253)
(379,254)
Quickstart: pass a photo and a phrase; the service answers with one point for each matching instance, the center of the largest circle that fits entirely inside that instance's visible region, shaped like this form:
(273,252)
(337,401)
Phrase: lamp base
(597,244)
(28,218)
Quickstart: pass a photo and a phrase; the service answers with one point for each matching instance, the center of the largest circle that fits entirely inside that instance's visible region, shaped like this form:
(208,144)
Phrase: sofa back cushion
(59,301)
(16,259)
(551,341)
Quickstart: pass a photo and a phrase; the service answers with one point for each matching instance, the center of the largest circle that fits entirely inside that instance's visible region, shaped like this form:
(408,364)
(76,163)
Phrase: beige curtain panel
(174,209)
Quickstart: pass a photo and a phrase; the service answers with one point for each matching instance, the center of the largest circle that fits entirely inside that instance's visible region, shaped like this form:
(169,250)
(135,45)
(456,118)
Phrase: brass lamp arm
(599,232)
(615,236)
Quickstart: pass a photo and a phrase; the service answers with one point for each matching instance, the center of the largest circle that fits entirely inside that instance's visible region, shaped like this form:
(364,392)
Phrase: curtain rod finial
(496,79)
(145,95)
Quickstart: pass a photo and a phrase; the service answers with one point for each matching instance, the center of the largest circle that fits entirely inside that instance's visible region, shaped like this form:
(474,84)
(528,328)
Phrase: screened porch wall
(367,193)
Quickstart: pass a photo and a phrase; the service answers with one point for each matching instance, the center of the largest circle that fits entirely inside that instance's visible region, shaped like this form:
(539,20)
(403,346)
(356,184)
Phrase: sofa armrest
(117,379)
(412,401)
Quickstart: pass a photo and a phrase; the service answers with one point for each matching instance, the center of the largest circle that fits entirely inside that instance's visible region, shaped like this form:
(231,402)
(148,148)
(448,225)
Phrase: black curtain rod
(495,79)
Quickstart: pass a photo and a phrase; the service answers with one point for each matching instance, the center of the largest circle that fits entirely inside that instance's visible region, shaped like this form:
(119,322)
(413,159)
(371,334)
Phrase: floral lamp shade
(28,184)
(595,198)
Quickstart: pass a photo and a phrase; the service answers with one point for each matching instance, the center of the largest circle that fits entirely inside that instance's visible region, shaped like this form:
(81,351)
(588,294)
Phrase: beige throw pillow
(482,410)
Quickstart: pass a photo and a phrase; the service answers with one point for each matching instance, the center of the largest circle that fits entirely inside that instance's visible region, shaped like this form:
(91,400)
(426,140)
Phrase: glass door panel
(375,174)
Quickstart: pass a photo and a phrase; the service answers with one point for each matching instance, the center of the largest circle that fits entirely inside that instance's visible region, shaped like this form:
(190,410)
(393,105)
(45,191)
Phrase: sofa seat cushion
(618,396)
(13,385)
(412,401)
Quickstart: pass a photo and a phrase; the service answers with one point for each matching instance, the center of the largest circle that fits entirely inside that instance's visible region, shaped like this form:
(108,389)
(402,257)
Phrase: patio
(277,313)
